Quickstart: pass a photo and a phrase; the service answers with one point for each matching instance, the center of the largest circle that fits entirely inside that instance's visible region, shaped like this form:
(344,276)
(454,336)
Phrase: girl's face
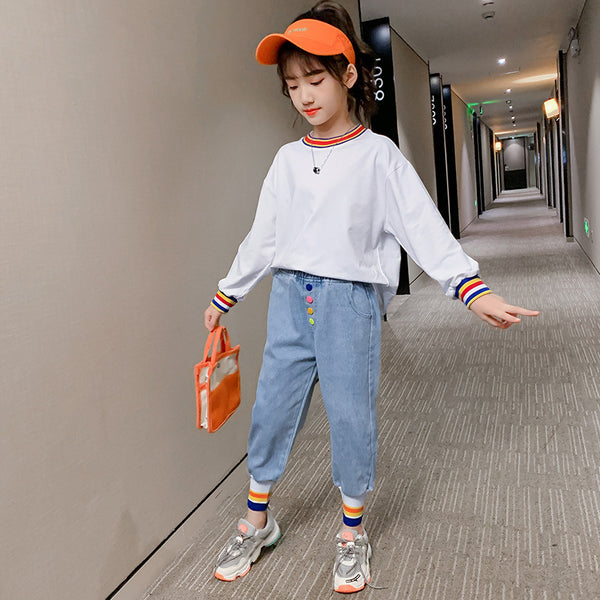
(319,97)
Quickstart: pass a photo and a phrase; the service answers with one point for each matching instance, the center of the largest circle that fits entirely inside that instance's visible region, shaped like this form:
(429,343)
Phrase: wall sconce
(498,146)
(551,108)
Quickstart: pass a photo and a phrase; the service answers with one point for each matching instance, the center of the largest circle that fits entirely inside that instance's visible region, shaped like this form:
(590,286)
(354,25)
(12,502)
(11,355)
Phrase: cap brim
(268,49)
(312,36)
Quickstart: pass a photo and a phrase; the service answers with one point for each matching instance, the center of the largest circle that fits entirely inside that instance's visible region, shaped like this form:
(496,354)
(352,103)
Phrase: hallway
(489,447)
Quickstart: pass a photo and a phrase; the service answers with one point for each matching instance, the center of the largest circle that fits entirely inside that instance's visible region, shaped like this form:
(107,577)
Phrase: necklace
(317,169)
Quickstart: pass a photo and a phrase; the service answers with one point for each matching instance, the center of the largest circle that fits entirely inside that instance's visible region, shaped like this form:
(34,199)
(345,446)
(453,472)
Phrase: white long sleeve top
(347,222)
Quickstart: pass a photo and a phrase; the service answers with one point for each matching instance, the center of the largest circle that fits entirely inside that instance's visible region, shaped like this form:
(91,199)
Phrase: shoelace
(348,550)
(236,543)
(235,546)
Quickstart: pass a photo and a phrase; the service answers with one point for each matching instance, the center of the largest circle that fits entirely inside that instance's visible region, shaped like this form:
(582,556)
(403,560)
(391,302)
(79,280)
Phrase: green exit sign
(586,226)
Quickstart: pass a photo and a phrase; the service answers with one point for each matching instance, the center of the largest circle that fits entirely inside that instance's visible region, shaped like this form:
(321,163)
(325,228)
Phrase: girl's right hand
(494,310)
(211,317)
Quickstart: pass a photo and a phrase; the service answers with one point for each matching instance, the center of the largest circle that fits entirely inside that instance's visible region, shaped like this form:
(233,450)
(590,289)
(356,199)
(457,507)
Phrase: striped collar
(334,141)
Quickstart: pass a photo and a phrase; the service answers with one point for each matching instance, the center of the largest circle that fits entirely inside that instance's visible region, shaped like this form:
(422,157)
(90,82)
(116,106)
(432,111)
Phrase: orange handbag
(218,388)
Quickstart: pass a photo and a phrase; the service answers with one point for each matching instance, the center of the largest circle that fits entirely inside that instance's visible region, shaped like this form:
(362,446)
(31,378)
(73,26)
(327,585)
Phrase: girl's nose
(307,95)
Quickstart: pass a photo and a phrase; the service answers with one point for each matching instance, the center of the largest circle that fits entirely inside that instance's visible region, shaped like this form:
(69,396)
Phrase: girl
(334,209)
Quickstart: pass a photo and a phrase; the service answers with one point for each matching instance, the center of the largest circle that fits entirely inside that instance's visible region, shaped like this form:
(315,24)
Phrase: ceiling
(459,43)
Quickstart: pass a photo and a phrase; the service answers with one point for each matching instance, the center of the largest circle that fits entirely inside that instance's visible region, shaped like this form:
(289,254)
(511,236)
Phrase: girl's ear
(350,76)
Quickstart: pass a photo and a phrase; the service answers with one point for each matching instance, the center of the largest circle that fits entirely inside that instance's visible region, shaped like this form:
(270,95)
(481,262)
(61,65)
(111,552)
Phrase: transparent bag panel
(225,366)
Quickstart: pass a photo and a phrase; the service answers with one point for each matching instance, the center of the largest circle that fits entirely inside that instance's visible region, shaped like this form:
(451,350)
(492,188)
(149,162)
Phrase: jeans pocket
(359,300)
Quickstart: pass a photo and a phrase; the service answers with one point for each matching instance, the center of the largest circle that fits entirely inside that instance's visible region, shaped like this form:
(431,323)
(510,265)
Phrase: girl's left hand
(494,310)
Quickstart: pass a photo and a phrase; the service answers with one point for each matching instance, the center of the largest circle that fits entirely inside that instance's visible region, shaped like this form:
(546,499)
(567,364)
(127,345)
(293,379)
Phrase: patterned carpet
(488,481)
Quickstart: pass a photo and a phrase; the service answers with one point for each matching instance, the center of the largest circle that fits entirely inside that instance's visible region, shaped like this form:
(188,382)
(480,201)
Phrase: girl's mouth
(312,111)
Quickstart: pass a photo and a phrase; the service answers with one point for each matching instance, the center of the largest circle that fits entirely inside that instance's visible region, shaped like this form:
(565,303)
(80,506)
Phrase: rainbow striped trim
(258,501)
(334,141)
(470,289)
(352,516)
(222,302)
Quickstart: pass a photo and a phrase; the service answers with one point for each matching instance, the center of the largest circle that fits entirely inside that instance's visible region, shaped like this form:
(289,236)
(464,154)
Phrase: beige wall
(135,136)
(557,165)
(465,161)
(543,166)
(583,75)
(413,110)
(488,191)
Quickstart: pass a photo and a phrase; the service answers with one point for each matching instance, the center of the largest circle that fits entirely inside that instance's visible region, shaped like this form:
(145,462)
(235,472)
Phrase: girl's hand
(212,317)
(494,310)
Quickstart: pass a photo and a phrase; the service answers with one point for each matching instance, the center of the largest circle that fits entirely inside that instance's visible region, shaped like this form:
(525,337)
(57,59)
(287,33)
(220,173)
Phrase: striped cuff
(470,289)
(222,302)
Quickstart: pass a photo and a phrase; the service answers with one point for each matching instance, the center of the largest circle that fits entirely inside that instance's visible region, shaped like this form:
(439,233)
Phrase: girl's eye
(292,87)
(317,82)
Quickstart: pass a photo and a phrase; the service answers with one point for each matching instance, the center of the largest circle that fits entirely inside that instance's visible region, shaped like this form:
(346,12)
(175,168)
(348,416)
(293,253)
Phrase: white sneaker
(351,571)
(244,547)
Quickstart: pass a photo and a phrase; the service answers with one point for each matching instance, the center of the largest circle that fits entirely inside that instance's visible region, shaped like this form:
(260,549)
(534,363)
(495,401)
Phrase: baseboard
(137,585)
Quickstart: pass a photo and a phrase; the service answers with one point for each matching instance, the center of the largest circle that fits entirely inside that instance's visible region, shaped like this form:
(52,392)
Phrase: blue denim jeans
(331,330)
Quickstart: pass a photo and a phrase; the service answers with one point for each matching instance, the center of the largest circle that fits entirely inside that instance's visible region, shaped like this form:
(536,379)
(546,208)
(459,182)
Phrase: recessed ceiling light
(510,108)
(508,90)
(501,61)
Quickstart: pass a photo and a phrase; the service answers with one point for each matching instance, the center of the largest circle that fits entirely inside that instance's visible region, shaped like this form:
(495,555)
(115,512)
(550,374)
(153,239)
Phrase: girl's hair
(361,96)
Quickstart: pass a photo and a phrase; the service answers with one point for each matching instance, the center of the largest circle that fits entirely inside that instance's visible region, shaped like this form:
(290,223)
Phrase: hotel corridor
(489,445)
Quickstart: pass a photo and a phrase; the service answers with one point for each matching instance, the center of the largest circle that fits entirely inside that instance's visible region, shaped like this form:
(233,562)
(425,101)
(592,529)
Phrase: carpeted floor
(488,481)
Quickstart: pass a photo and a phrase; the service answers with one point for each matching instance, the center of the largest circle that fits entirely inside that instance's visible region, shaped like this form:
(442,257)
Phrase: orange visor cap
(310,35)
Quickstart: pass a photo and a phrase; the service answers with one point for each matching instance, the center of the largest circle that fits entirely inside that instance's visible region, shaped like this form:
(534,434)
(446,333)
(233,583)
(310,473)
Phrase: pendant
(316,170)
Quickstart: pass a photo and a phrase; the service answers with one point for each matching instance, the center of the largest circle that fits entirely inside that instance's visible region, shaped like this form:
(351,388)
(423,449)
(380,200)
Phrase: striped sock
(259,494)
(353,509)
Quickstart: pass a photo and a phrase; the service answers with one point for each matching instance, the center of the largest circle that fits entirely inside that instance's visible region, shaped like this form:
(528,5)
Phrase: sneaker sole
(243,570)
(349,589)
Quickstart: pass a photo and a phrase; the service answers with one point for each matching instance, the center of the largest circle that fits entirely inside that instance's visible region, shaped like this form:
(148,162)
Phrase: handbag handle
(216,336)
